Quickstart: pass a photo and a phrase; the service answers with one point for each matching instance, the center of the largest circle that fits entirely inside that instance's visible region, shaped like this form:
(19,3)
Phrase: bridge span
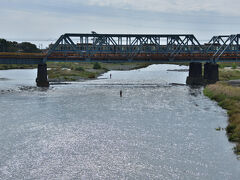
(118,48)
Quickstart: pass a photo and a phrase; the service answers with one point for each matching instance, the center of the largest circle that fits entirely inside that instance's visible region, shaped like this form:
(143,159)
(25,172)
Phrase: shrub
(96,65)
(91,76)
(221,66)
(231,128)
(237,149)
(79,68)
(234,66)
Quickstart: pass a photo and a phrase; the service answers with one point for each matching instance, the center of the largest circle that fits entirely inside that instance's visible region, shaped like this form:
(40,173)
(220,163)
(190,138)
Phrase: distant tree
(28,47)
(3,45)
(13,46)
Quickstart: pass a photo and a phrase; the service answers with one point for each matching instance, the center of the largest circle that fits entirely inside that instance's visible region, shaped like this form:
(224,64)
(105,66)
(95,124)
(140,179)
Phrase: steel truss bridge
(132,48)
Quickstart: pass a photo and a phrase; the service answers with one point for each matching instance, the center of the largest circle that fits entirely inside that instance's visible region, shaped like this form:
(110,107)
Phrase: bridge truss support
(42,78)
(129,47)
(195,74)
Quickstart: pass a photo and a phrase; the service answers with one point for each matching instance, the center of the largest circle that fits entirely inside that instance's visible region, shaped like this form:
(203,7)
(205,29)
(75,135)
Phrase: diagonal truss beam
(132,45)
(224,45)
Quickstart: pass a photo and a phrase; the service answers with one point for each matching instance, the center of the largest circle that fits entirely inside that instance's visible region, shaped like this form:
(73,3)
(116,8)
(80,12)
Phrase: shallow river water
(85,130)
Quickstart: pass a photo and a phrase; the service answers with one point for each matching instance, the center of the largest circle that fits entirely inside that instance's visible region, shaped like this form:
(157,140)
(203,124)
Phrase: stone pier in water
(211,74)
(42,78)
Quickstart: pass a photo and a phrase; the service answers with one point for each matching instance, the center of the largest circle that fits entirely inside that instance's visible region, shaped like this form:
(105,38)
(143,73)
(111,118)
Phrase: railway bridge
(119,48)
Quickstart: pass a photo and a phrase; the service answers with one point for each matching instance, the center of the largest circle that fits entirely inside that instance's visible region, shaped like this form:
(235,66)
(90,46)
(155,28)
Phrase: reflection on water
(195,91)
(85,130)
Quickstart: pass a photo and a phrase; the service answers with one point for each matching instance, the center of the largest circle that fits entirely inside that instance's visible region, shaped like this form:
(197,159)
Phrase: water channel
(85,130)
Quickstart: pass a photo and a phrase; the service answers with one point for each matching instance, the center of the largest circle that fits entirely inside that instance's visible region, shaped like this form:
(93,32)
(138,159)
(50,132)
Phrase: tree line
(13,46)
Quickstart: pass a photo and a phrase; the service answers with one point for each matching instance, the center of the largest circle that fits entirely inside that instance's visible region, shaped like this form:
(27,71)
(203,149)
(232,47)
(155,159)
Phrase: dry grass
(228,97)
(222,88)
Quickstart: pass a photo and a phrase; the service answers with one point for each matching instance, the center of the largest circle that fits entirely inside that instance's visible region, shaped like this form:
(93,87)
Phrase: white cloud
(47,19)
(224,7)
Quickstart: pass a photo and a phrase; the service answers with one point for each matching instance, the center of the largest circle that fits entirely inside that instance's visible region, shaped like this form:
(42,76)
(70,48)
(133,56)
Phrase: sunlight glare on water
(85,130)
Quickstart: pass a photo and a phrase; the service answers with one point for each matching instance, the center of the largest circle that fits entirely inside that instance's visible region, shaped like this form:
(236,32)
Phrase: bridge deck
(21,58)
(38,58)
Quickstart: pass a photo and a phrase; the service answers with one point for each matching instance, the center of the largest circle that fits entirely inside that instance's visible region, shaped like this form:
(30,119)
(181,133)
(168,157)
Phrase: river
(85,130)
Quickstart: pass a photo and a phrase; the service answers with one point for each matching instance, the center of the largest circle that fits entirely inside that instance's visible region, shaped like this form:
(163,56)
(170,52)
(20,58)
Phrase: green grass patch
(227,64)
(70,75)
(225,75)
(79,68)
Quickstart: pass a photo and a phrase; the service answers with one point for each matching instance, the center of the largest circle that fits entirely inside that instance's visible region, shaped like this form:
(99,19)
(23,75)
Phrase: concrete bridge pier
(211,74)
(195,74)
(42,78)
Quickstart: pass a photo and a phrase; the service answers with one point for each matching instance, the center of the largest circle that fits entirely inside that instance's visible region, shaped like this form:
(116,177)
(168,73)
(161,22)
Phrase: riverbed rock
(234,82)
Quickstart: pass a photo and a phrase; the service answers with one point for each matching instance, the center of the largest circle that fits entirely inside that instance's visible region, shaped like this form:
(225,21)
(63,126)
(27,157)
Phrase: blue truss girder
(128,45)
(226,45)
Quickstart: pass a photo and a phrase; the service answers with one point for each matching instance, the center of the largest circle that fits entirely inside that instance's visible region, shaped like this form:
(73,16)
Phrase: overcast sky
(43,21)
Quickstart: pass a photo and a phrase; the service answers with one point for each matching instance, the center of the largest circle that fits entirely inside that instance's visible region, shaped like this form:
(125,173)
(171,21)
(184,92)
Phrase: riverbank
(228,97)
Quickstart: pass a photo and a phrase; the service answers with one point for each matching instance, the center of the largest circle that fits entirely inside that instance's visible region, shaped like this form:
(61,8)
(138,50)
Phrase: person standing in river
(120,93)
(110,76)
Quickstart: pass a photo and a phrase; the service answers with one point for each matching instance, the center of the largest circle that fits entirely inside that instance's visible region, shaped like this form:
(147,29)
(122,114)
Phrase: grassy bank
(228,97)
(79,71)
(16,66)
